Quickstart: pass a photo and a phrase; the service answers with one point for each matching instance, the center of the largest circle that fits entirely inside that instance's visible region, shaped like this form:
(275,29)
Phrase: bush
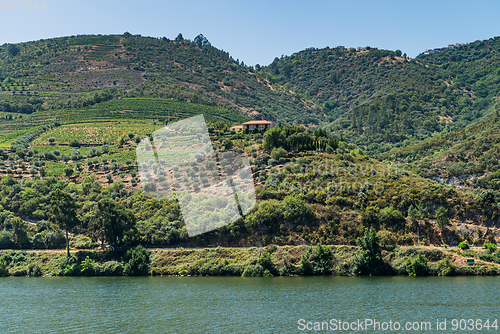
(69,267)
(318,262)
(267,264)
(74,143)
(34,270)
(463,245)
(294,208)
(110,268)
(3,267)
(491,248)
(87,267)
(253,270)
(137,262)
(84,243)
(228,144)
(6,240)
(445,267)
(417,266)
(278,153)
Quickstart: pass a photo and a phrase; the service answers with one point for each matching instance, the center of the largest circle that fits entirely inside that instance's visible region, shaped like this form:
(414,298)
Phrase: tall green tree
(370,261)
(63,212)
(442,219)
(274,137)
(112,222)
(19,231)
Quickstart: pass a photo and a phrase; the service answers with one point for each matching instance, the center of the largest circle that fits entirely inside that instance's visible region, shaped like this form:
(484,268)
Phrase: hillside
(376,97)
(468,157)
(75,108)
(307,192)
(79,71)
(476,66)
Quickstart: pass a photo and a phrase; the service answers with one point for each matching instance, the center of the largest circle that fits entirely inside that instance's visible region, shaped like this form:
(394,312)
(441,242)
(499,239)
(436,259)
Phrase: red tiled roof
(257,122)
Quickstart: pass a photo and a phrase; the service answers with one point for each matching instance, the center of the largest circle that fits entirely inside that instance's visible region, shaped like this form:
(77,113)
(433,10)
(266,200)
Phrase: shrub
(51,140)
(34,270)
(137,262)
(69,267)
(267,264)
(84,243)
(87,267)
(151,186)
(228,144)
(74,143)
(253,270)
(110,268)
(417,266)
(491,248)
(445,267)
(463,245)
(318,262)
(294,208)
(278,153)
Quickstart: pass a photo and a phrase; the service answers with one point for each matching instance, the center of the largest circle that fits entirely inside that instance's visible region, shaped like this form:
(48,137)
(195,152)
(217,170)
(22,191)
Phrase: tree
(111,222)
(63,212)
(442,219)
(68,171)
(278,153)
(122,140)
(19,231)
(201,40)
(179,38)
(274,137)
(13,50)
(228,143)
(370,261)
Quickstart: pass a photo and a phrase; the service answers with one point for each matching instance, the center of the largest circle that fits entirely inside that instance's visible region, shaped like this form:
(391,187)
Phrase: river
(244,305)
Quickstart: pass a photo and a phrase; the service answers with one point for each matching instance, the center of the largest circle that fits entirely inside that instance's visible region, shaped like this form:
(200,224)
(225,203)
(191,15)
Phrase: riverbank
(266,261)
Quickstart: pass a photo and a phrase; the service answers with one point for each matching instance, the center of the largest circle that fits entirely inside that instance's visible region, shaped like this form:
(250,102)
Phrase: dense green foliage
(476,66)
(370,261)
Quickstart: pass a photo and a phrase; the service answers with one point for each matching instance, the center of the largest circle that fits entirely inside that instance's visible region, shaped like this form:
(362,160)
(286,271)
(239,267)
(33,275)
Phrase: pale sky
(257,31)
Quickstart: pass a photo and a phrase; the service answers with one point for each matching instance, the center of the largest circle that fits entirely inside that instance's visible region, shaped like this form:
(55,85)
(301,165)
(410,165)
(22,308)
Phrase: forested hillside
(377,98)
(476,66)
(361,134)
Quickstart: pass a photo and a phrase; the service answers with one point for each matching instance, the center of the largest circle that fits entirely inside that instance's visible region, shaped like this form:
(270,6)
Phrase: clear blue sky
(257,31)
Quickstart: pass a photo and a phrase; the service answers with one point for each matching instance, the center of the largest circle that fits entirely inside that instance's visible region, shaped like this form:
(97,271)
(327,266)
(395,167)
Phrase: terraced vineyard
(93,133)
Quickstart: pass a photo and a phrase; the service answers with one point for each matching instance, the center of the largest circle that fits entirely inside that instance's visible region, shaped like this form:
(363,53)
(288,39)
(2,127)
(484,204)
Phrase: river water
(246,305)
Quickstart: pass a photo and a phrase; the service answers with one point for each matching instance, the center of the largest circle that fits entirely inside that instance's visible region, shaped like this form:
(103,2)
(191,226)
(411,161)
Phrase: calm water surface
(238,305)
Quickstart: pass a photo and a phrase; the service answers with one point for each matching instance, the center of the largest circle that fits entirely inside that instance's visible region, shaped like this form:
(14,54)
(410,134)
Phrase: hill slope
(376,96)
